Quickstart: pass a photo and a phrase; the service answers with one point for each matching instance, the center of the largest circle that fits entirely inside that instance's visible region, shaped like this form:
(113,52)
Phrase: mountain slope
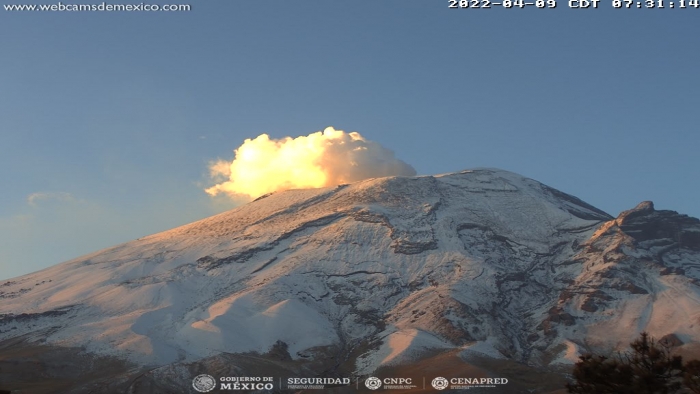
(377,273)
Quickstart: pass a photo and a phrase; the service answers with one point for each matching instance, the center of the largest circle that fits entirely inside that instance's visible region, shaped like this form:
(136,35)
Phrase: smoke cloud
(325,158)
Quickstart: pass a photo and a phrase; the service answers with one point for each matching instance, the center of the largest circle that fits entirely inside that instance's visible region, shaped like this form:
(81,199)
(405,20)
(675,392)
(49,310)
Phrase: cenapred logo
(204,383)
(373,383)
(440,383)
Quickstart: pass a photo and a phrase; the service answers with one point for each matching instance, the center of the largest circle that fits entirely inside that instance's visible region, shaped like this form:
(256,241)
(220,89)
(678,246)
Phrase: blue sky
(108,120)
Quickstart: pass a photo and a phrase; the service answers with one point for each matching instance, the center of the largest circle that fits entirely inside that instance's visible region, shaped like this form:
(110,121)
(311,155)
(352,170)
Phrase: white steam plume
(331,157)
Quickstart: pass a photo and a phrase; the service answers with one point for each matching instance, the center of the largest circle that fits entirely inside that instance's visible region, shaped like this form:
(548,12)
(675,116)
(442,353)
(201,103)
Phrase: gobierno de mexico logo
(204,383)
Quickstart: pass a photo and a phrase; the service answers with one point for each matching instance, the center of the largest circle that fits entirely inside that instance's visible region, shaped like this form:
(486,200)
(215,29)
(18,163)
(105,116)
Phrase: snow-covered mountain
(376,273)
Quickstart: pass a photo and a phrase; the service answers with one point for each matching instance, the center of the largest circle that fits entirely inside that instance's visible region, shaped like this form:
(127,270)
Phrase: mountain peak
(642,209)
(645,206)
(645,224)
(480,259)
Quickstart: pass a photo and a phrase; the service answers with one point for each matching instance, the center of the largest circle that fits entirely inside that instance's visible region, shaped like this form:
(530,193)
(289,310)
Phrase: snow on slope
(477,257)
(399,346)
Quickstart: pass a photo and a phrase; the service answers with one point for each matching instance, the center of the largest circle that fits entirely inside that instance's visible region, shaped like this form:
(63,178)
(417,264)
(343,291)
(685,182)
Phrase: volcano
(481,272)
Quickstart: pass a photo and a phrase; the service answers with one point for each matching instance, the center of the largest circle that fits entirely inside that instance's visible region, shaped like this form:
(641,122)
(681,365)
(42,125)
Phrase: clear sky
(108,120)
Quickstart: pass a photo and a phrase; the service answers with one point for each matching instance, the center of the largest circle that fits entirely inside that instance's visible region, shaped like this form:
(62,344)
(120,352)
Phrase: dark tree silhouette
(648,368)
(691,377)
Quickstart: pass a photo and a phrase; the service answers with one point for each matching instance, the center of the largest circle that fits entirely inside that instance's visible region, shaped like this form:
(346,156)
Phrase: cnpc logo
(373,383)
